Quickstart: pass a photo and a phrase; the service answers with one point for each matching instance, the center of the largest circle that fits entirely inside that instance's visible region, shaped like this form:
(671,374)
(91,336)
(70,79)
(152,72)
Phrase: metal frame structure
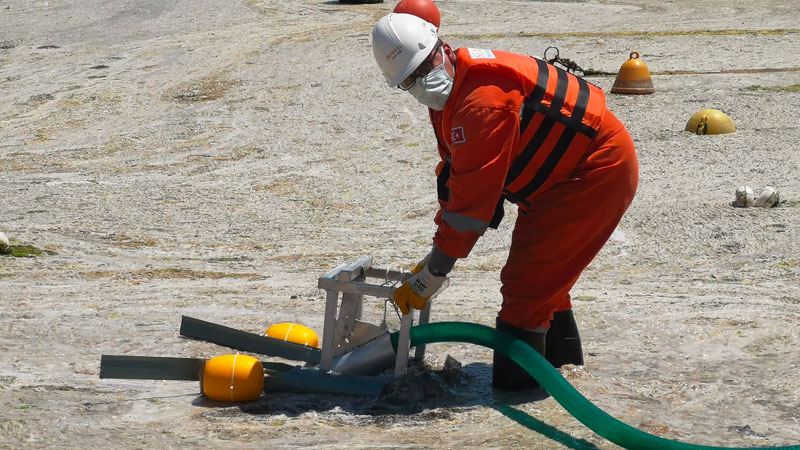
(344,330)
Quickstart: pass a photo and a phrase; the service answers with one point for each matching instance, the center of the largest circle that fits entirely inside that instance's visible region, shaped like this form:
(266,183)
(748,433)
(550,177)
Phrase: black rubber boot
(563,340)
(506,374)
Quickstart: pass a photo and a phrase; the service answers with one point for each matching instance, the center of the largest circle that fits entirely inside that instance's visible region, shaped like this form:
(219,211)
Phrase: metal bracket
(345,330)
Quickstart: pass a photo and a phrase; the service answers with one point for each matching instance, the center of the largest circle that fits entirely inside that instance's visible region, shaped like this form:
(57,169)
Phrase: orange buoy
(633,77)
(424,9)
(293,332)
(233,378)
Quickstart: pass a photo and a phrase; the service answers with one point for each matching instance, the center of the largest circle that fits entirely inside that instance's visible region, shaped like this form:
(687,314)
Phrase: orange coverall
(519,129)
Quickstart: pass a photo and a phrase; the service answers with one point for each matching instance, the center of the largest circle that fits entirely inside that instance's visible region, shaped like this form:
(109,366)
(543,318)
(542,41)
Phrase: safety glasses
(421,71)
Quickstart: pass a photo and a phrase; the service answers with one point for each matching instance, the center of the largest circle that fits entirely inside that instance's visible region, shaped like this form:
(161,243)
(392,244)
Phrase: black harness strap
(533,104)
(573,125)
(547,168)
(527,155)
(535,99)
(442,191)
(528,109)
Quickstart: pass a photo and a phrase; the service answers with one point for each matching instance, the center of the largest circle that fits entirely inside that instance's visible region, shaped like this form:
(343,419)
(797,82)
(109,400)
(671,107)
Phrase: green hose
(551,380)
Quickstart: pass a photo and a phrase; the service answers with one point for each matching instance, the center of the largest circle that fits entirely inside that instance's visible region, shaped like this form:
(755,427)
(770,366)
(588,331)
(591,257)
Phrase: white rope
(388,282)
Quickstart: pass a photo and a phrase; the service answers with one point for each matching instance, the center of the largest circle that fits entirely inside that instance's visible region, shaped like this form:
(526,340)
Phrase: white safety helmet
(400,42)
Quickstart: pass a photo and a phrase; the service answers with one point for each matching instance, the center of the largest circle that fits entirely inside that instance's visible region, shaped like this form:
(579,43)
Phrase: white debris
(744,197)
(4,244)
(767,198)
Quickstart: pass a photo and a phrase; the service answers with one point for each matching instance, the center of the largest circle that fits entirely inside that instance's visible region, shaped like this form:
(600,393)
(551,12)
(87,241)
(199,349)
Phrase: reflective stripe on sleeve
(462,223)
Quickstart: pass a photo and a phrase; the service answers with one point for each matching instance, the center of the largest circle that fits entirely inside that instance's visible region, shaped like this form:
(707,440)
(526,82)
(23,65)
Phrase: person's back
(542,116)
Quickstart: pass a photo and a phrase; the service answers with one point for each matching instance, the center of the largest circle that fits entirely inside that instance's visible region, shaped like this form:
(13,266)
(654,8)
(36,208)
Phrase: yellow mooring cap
(633,77)
(710,121)
(293,332)
(233,378)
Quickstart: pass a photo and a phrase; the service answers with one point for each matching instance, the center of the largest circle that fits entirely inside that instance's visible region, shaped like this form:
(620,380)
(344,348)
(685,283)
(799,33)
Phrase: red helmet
(424,9)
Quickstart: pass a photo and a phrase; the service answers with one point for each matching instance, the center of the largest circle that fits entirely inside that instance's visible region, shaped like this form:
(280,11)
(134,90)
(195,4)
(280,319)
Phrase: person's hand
(415,292)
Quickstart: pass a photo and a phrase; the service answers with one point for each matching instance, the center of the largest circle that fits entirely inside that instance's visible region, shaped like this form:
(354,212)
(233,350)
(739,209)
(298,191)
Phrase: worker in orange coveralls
(513,128)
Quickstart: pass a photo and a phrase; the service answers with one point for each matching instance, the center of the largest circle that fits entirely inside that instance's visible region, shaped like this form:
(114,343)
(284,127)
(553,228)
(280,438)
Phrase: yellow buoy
(710,121)
(293,332)
(233,378)
(633,77)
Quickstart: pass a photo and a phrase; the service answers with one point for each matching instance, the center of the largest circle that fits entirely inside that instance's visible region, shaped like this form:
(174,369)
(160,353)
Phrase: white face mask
(433,89)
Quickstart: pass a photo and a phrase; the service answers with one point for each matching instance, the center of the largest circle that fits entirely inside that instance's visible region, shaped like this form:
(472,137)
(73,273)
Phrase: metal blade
(303,380)
(247,342)
(150,367)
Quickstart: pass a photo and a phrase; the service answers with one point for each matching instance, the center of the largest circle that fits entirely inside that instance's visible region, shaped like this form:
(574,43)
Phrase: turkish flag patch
(457,135)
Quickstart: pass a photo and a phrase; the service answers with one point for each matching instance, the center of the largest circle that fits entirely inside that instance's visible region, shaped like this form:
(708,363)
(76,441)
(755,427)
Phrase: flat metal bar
(305,381)
(403,344)
(332,274)
(346,320)
(356,287)
(150,367)
(387,275)
(247,342)
(328,330)
(354,270)
(163,368)
(276,366)
(360,309)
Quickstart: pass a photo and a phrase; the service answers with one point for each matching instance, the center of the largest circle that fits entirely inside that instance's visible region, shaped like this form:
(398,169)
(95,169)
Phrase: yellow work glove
(421,264)
(415,292)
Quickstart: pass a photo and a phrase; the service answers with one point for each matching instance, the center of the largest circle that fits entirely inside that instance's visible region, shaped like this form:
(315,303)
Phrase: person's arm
(479,164)
(440,263)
